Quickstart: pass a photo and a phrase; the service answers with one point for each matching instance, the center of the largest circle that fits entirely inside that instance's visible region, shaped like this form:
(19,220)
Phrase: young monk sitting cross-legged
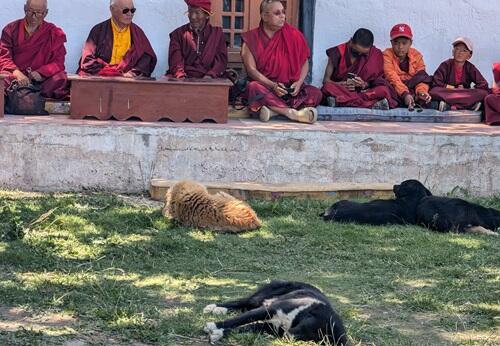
(404,68)
(492,102)
(276,56)
(354,75)
(452,85)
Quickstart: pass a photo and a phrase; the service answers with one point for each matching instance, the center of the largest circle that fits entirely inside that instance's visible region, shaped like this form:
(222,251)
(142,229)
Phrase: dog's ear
(427,192)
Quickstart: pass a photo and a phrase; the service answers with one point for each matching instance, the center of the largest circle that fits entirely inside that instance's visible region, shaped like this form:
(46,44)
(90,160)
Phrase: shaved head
(37,3)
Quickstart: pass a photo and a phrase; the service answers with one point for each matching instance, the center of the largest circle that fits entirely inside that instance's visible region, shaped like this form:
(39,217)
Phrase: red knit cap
(206,5)
(496,71)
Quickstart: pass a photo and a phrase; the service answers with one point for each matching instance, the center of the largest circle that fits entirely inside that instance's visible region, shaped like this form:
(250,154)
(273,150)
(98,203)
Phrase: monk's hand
(360,83)
(296,87)
(21,78)
(460,87)
(350,84)
(424,97)
(409,101)
(279,89)
(35,76)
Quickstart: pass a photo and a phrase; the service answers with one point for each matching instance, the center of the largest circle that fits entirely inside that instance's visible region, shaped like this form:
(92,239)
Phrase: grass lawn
(102,269)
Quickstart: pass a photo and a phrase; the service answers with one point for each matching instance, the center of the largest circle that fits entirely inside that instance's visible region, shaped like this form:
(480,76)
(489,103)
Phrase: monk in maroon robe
(492,102)
(454,77)
(354,76)
(32,51)
(197,49)
(276,59)
(101,54)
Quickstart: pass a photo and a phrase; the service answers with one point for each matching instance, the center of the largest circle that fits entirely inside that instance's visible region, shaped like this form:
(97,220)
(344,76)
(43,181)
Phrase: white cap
(466,41)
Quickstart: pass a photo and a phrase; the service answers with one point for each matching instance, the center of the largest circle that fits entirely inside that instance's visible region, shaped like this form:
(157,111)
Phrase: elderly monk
(492,102)
(276,56)
(197,49)
(32,50)
(117,47)
(457,83)
(354,75)
(404,69)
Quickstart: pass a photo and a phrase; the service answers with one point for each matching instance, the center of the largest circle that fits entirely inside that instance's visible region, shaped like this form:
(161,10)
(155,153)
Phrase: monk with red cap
(404,69)
(32,51)
(492,102)
(197,49)
(354,76)
(117,47)
(458,84)
(276,59)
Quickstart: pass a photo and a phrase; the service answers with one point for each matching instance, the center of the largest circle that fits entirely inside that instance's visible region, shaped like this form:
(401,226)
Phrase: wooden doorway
(237,16)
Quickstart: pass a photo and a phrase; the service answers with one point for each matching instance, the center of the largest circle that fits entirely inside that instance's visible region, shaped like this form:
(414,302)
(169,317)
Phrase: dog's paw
(214,334)
(214,309)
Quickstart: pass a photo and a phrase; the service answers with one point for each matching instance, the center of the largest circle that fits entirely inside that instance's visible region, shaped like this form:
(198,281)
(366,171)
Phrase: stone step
(268,192)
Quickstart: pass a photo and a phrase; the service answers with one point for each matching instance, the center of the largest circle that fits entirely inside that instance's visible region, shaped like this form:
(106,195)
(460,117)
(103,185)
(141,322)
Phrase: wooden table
(104,98)
(2,98)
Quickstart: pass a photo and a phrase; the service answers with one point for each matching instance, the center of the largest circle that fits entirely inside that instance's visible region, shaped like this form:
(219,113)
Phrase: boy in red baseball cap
(453,80)
(492,102)
(404,68)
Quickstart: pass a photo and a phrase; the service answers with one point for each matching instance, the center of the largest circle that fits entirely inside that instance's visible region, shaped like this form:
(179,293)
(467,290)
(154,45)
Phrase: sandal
(416,107)
(308,115)
(266,114)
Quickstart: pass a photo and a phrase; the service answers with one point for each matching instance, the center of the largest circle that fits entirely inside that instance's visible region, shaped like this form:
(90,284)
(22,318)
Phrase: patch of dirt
(15,318)
(141,201)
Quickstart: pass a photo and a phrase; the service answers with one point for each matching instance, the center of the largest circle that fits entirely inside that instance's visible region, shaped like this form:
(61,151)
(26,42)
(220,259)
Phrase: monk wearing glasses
(354,76)
(197,49)
(117,47)
(32,51)
(276,58)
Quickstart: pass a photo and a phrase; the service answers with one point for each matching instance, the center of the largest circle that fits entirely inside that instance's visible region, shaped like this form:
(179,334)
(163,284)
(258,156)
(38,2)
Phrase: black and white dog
(293,309)
(401,210)
(445,214)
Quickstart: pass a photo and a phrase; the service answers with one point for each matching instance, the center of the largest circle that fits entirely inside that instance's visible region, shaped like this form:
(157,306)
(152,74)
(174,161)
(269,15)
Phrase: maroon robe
(492,102)
(43,52)
(280,59)
(140,59)
(460,98)
(195,55)
(370,68)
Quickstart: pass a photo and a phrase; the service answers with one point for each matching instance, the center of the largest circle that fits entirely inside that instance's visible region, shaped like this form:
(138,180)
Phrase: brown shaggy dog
(190,204)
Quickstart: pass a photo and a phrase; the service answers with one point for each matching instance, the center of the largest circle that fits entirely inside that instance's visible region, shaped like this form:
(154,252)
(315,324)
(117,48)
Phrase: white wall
(435,24)
(76,17)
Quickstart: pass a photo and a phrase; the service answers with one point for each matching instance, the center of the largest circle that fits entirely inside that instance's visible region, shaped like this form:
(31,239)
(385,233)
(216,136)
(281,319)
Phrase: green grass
(123,274)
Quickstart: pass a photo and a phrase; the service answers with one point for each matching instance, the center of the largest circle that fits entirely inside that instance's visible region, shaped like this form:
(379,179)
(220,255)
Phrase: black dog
(401,210)
(444,214)
(282,308)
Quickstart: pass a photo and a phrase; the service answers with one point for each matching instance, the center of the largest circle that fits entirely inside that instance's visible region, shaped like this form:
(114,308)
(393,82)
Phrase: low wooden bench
(269,192)
(194,100)
(2,98)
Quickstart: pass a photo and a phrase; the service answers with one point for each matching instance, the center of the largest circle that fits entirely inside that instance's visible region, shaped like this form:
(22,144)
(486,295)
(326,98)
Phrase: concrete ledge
(269,192)
(53,153)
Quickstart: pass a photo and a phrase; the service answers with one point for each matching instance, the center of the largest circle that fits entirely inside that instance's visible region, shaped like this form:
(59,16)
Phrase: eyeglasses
(31,12)
(127,10)
(278,13)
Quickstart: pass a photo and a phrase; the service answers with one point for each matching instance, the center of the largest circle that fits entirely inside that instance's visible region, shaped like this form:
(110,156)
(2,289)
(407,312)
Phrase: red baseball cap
(401,30)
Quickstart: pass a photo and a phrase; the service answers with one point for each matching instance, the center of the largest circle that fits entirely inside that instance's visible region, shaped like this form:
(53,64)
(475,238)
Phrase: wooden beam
(256,191)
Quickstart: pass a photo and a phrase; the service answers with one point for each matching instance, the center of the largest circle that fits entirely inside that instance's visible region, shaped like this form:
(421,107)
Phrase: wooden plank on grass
(256,191)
